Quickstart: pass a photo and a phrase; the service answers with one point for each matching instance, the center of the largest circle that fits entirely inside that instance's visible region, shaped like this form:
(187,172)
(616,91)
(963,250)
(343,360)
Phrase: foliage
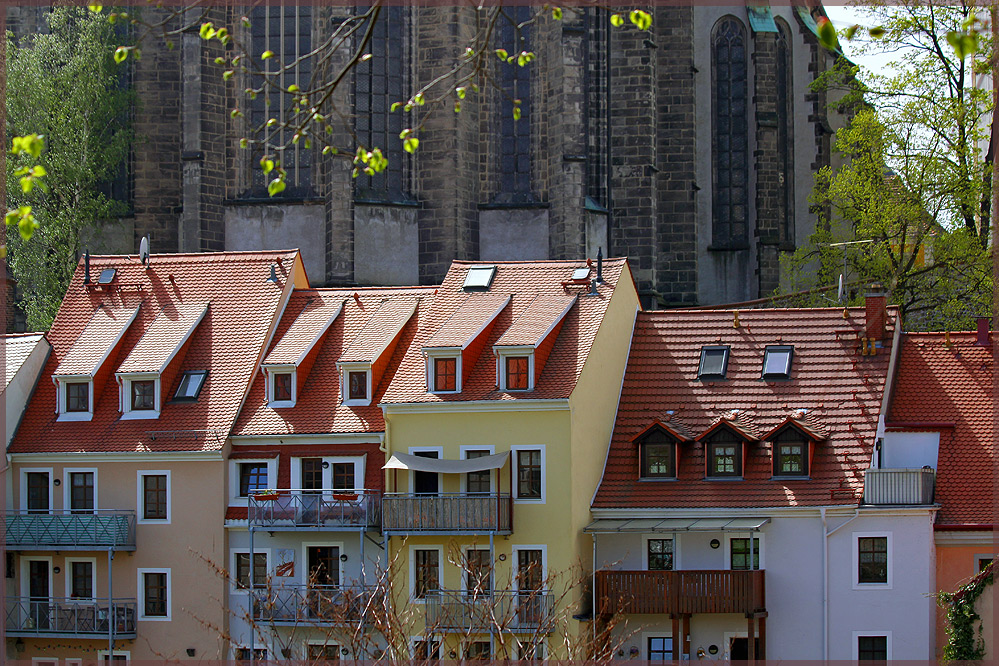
(63,86)
(964,643)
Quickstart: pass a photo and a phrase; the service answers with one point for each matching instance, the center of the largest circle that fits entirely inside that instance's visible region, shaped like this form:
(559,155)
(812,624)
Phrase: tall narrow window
(517,373)
(81,492)
(81,579)
(744,553)
(477,482)
(597,60)
(243,570)
(427,574)
(529,474)
(514,134)
(154,497)
(478,572)
(37,492)
(379,82)
(730,137)
(785,136)
(445,377)
(154,587)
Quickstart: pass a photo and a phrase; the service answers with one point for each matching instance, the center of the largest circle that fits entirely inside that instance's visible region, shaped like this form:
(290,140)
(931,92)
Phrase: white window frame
(412,569)
(646,635)
(67,490)
(269,372)
(413,450)
(76,661)
(307,644)
(727,643)
(345,369)
(235,499)
(303,576)
(24,488)
(102,656)
(744,535)
(140,507)
(443,352)
(26,575)
(468,640)
(125,396)
(44,661)
(868,632)
(432,638)
(465,572)
(663,535)
(265,648)
(68,576)
(463,453)
(515,563)
(540,645)
(141,596)
(516,473)
(296,471)
(855,574)
(502,353)
(233,587)
(62,402)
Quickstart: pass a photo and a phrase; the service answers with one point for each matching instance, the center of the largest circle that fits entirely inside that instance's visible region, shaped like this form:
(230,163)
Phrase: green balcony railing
(71,531)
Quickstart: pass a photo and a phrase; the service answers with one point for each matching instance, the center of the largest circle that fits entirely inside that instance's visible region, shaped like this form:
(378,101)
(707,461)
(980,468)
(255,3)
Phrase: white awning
(610,525)
(421,464)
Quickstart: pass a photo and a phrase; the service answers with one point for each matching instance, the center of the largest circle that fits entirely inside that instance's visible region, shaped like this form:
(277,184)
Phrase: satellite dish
(144,250)
(841,292)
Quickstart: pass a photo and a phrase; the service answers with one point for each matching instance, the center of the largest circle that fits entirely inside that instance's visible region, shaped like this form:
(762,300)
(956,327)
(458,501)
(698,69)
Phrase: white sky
(843,17)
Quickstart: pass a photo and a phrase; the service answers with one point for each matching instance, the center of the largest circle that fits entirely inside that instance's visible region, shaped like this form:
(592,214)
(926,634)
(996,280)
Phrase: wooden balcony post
(685,633)
(677,639)
(763,639)
(751,640)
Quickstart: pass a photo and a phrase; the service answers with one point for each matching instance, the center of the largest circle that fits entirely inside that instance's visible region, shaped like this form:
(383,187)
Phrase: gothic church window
(730,136)
(515,135)
(785,135)
(597,60)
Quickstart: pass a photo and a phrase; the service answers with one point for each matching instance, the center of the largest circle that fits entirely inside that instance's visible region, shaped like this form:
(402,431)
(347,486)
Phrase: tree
(63,86)
(916,180)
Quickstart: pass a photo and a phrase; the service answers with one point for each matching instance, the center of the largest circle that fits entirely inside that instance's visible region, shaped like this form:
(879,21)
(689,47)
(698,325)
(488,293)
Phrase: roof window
(190,385)
(777,362)
(714,362)
(107,276)
(479,277)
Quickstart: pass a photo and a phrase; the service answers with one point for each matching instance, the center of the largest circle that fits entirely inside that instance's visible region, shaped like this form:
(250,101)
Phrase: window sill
(791,478)
(724,478)
(139,415)
(75,416)
(872,586)
(281,404)
(655,479)
(356,403)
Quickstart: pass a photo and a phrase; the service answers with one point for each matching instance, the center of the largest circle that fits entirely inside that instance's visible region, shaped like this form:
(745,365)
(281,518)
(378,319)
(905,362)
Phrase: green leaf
(557,13)
(266,164)
(96,8)
(617,20)
(293,88)
(235,113)
(38,171)
(963,44)
(419,99)
(460,92)
(395,105)
(227,74)
(207,30)
(329,150)
(271,122)
(220,61)
(243,143)
(222,34)
(827,34)
(642,20)
(516,112)
(410,145)
(522,59)
(245,21)
(501,54)
(267,55)
(457,107)
(877,32)
(276,186)
(404,133)
(851,32)
(33,144)
(120,54)
(366,57)
(26,227)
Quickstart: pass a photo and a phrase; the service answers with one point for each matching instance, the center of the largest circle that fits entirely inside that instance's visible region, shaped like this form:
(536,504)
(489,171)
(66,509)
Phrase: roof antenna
(600,265)
(86,266)
(144,251)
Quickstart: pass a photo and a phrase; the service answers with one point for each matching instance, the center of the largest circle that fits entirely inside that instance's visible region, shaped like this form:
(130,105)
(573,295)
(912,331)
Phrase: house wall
(956,562)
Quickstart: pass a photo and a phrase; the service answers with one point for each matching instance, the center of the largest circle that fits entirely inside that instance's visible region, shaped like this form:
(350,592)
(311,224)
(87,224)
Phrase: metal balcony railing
(899,486)
(315,509)
(67,530)
(448,513)
(506,610)
(681,592)
(72,618)
(310,605)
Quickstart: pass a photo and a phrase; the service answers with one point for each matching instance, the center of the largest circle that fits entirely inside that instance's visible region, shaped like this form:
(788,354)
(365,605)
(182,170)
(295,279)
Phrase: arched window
(730,139)
(597,59)
(785,135)
(515,135)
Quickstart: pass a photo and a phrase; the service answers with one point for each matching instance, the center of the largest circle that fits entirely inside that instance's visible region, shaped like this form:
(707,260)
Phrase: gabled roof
(952,385)
(228,344)
(537,321)
(164,337)
(736,420)
(380,330)
(839,388)
(17,349)
(91,348)
(522,282)
(474,314)
(804,422)
(313,320)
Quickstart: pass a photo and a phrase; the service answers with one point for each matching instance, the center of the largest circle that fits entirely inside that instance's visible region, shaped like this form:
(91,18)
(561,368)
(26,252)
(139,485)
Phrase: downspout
(593,594)
(825,575)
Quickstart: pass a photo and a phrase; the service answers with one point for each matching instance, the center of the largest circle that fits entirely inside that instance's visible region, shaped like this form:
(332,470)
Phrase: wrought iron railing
(506,610)
(319,509)
(315,604)
(447,513)
(41,616)
(899,486)
(71,530)
(681,592)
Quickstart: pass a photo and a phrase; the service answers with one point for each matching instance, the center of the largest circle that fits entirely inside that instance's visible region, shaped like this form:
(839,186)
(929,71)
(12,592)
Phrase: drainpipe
(250,595)
(825,575)
(111,609)
(593,593)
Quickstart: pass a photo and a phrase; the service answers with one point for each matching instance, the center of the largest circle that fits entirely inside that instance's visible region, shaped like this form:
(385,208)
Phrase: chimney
(984,337)
(875,304)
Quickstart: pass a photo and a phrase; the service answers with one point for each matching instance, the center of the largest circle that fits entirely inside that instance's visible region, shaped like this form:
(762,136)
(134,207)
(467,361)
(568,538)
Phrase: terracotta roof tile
(168,332)
(468,320)
(106,326)
(839,388)
(379,330)
(315,314)
(954,384)
(540,317)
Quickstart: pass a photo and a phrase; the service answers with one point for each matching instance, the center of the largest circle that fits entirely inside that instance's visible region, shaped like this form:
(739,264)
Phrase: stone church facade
(689,148)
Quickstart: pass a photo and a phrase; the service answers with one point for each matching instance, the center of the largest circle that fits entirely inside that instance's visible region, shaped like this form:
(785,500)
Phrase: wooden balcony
(98,530)
(447,513)
(681,592)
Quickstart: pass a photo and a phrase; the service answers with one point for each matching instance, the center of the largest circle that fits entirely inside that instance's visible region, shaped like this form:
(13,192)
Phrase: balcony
(899,486)
(69,618)
(681,592)
(315,510)
(454,610)
(447,513)
(71,531)
(315,605)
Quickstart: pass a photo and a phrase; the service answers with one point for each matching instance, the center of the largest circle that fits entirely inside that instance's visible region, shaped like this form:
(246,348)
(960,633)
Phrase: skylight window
(581,273)
(190,385)
(479,277)
(714,363)
(107,276)
(777,362)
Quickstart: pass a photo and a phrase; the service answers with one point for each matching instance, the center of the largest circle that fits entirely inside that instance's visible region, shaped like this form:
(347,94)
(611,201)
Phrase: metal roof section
(537,321)
(468,321)
(379,331)
(610,525)
(308,328)
(164,338)
(104,330)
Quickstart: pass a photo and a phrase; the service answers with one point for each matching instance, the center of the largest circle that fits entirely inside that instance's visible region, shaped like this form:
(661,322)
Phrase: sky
(843,17)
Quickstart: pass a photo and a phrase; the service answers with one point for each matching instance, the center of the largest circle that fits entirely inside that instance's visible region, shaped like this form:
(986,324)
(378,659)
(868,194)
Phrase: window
(984,562)
(355,383)
(154,497)
(790,454)
(872,559)
(517,373)
(479,277)
(426,650)
(714,363)
(426,572)
(154,591)
(323,652)
(37,492)
(657,451)
(724,453)
(777,362)
(190,385)
(358,385)
(597,57)
(481,481)
(80,578)
(139,396)
(143,394)
(242,570)
(282,386)
(872,648)
(730,136)
(660,554)
(343,476)
(445,374)
(529,474)
(785,136)
(478,571)
(252,478)
(744,554)
(660,648)
(478,650)
(243,654)
(78,397)
(515,148)
(81,492)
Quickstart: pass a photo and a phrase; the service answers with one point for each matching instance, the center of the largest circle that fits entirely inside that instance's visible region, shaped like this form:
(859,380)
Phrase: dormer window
(445,374)
(714,362)
(143,395)
(724,455)
(517,373)
(140,396)
(777,361)
(282,386)
(355,384)
(77,396)
(515,368)
(281,389)
(791,458)
(657,452)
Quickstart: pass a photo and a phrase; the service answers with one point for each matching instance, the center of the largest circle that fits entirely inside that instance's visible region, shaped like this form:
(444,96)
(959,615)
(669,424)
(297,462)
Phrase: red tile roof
(313,320)
(953,385)
(380,329)
(318,408)
(838,388)
(228,344)
(466,322)
(540,317)
(167,334)
(103,330)
(522,282)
